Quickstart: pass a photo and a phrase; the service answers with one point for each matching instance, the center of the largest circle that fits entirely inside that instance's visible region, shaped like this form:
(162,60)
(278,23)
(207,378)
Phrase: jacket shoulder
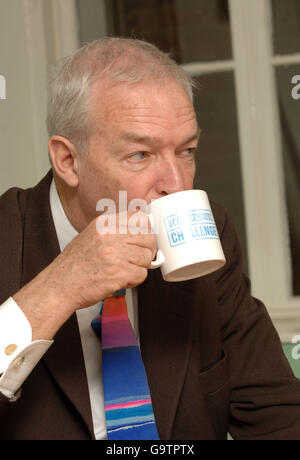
(12,206)
(15,204)
(16,200)
(221,215)
(13,201)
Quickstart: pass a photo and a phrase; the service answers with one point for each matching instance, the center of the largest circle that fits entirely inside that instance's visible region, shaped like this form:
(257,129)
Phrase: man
(121,118)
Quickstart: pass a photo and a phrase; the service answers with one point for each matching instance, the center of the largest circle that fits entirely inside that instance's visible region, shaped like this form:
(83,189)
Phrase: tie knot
(119,292)
(115,306)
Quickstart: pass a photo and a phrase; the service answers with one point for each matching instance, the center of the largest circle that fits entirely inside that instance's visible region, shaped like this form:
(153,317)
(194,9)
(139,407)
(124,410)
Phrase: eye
(188,152)
(138,156)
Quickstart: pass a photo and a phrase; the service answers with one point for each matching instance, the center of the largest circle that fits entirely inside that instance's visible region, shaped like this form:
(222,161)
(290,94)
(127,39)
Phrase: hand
(89,269)
(95,265)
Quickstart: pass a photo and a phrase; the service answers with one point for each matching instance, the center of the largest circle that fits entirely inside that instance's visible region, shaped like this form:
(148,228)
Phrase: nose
(170,177)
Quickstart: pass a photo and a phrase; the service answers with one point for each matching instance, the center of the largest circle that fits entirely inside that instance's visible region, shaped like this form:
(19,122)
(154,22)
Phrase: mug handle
(160,258)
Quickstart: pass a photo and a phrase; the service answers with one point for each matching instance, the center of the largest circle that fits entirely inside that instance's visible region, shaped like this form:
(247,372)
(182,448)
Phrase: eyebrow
(152,140)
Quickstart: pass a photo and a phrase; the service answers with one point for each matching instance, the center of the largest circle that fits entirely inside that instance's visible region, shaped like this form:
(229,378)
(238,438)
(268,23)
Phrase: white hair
(114,58)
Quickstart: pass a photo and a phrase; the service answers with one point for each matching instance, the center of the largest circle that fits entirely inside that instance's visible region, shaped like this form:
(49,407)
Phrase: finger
(143,241)
(141,257)
(139,274)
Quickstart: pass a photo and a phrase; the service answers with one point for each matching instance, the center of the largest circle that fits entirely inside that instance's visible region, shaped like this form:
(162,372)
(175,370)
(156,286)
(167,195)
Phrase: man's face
(144,144)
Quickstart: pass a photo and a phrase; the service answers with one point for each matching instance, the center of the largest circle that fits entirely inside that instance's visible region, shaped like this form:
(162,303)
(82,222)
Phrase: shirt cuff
(18,354)
(21,366)
(15,332)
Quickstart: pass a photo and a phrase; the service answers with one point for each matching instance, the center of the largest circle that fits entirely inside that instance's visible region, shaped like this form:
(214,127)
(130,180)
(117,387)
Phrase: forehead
(150,102)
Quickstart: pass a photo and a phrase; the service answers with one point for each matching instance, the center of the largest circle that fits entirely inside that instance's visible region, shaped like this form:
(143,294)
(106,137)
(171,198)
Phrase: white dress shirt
(19,355)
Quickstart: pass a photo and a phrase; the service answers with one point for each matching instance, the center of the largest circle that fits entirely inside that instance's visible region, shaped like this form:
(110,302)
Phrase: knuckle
(154,245)
(150,256)
(137,277)
(142,275)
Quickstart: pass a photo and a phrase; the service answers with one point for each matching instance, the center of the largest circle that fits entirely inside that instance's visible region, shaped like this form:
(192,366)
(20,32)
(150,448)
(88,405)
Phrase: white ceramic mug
(187,238)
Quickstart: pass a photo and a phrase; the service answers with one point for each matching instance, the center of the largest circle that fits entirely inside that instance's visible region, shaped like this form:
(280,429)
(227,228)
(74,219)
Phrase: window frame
(253,64)
(262,161)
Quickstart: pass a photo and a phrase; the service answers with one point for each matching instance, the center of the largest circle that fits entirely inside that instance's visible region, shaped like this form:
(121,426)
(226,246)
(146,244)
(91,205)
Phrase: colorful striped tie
(127,400)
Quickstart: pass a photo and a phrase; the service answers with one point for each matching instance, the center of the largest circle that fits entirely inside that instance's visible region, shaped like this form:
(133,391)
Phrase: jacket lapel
(64,359)
(166,312)
(65,362)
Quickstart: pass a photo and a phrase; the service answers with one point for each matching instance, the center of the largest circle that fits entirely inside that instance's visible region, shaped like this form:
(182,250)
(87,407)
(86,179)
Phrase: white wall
(33,35)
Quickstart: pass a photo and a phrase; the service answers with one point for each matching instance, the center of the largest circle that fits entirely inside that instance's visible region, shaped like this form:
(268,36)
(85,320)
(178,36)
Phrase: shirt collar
(64,229)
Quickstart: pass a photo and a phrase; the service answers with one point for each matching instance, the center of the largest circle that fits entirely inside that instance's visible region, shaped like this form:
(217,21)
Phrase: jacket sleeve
(5,403)
(11,236)
(265,394)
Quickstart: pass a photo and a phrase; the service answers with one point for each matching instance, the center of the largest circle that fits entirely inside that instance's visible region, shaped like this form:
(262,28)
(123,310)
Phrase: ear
(65,159)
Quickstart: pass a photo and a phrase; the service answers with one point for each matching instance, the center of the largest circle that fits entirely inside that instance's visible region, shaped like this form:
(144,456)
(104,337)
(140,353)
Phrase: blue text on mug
(192,225)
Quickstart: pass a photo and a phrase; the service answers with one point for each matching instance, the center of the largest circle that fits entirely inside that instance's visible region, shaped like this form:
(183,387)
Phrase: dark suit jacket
(214,361)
